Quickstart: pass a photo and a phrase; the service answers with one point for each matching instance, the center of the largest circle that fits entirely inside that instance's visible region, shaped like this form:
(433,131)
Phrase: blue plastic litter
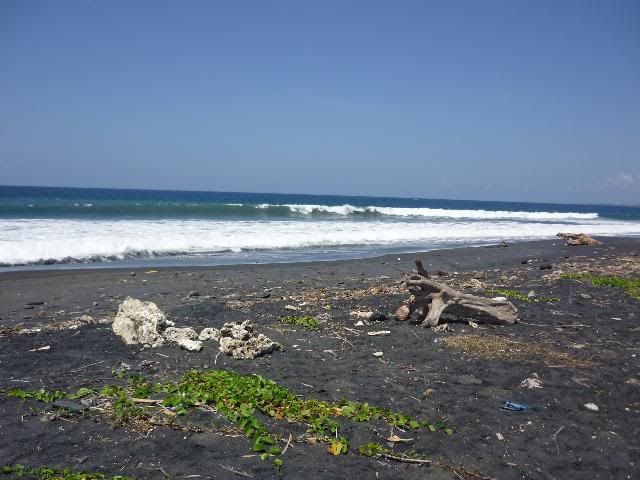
(515,407)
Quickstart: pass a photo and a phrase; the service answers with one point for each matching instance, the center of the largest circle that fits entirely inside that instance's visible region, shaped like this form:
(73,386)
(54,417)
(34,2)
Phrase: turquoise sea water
(72,226)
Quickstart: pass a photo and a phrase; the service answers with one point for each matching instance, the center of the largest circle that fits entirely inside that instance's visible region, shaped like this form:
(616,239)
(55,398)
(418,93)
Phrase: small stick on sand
(423,461)
(287,445)
(394,267)
(240,473)
(555,438)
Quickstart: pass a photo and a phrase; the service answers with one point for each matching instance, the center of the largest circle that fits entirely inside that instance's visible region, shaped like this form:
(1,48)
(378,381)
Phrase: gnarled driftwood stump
(430,299)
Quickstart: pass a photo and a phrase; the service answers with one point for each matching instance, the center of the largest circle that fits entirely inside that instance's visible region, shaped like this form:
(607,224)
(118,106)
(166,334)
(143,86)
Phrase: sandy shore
(582,346)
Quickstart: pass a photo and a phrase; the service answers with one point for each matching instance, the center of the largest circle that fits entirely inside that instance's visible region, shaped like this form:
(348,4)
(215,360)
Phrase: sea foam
(434,212)
(35,240)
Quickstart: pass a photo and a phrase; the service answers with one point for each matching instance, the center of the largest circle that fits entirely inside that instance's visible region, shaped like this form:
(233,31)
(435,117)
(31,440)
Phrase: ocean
(42,227)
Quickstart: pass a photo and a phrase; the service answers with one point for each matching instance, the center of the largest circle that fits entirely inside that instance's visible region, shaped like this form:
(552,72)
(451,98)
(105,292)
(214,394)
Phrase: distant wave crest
(249,211)
(437,212)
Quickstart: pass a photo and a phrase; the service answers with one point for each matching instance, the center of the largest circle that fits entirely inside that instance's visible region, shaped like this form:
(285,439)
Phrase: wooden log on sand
(429,300)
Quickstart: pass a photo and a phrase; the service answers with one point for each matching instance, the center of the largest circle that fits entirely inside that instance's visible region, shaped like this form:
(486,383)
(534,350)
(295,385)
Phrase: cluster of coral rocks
(143,323)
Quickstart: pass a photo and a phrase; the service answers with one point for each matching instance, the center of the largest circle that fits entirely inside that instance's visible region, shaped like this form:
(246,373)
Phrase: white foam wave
(24,241)
(437,212)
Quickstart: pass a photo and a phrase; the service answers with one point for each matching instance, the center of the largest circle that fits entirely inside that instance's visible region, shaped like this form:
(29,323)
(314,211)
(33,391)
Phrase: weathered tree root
(430,299)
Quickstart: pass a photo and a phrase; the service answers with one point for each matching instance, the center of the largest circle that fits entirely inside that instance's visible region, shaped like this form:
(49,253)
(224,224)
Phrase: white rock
(592,407)
(240,341)
(140,322)
(173,334)
(184,337)
(499,436)
(209,334)
(359,323)
(378,354)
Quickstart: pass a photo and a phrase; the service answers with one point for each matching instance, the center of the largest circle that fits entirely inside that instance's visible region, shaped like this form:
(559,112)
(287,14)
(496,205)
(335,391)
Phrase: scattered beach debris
(443,327)
(430,299)
(493,346)
(378,354)
(499,436)
(592,407)
(396,439)
(531,382)
(574,239)
(378,317)
(240,341)
(41,349)
(515,407)
(378,333)
(361,314)
(293,308)
(69,405)
(56,325)
(359,323)
(473,283)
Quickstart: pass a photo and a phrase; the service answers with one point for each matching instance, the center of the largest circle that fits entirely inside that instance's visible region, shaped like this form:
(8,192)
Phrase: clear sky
(503,100)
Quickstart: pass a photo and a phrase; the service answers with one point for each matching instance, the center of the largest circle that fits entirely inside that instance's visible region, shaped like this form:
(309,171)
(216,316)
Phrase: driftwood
(578,239)
(430,299)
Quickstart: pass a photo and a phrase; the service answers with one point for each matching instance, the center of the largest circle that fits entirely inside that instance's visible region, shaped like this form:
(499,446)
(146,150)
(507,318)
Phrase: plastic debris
(531,382)
(592,407)
(515,407)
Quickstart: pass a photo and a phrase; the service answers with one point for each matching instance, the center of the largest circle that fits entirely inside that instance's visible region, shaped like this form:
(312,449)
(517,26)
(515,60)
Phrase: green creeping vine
(630,285)
(48,473)
(240,398)
(304,321)
(519,295)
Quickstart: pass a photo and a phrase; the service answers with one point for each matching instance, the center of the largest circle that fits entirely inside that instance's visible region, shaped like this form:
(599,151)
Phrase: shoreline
(157,262)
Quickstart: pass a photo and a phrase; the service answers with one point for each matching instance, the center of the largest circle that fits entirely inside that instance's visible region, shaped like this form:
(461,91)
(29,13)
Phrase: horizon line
(412,197)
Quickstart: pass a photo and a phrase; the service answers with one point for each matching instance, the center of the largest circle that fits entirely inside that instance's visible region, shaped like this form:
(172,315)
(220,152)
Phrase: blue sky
(509,100)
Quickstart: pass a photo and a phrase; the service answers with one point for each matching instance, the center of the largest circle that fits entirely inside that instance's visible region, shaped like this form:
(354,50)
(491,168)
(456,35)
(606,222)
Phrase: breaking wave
(29,241)
(213,211)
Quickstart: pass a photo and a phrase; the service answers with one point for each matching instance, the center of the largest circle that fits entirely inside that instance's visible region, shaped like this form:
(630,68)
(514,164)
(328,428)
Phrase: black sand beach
(581,342)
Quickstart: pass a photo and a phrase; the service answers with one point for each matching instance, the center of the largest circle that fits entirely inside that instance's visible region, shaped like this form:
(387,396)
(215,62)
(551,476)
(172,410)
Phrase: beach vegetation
(376,450)
(304,321)
(52,473)
(495,347)
(630,285)
(244,400)
(517,295)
